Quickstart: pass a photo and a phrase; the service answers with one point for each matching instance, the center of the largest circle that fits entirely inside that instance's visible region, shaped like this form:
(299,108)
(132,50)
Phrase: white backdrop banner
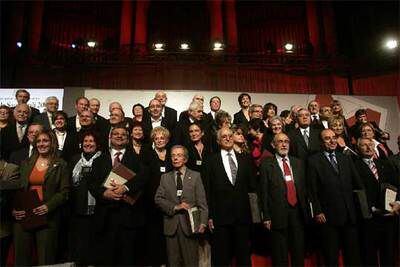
(38,96)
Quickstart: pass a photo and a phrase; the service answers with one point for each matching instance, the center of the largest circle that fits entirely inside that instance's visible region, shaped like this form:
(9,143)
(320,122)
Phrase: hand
(320,218)
(41,210)
(182,206)
(341,141)
(202,228)
(395,207)
(110,194)
(18,214)
(211,225)
(267,224)
(118,188)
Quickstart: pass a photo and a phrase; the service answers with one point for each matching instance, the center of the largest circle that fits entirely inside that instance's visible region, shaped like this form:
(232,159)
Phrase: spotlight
(289,48)
(159,47)
(185,46)
(218,46)
(19,44)
(391,44)
(91,44)
(73,46)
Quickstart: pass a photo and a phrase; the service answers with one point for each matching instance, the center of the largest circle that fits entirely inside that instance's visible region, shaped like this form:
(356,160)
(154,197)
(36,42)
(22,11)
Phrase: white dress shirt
(156,122)
(213,114)
(305,129)
(60,139)
(225,161)
(50,118)
(77,123)
(115,151)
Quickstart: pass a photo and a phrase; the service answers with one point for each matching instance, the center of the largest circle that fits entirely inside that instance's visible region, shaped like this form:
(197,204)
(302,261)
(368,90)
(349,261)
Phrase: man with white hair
(170,115)
(46,118)
(23,96)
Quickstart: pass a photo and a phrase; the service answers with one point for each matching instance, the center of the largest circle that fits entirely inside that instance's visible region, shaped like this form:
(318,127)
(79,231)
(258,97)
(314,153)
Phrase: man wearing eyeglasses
(284,202)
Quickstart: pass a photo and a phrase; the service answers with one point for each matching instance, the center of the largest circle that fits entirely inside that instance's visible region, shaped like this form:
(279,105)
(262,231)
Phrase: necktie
(290,187)
(233,167)
(333,162)
(373,169)
(305,136)
(179,185)
(20,132)
(117,160)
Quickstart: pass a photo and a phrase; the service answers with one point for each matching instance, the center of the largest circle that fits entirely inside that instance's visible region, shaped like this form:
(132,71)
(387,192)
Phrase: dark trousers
(79,239)
(116,245)
(289,239)
(231,241)
(5,243)
(335,237)
(377,235)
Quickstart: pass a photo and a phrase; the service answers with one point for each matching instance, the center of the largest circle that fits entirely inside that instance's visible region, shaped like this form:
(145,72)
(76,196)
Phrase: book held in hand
(27,201)
(119,175)
(389,195)
(194,219)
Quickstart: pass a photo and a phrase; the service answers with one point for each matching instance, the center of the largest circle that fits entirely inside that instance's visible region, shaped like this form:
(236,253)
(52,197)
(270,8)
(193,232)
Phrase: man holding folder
(116,218)
(181,190)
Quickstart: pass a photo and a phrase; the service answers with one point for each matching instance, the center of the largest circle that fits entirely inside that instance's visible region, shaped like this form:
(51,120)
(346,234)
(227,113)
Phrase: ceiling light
(159,46)
(91,44)
(185,46)
(73,45)
(19,44)
(391,44)
(218,46)
(289,48)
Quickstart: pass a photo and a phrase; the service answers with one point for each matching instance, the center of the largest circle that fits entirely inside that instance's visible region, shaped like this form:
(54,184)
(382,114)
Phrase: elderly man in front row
(284,203)
(180,190)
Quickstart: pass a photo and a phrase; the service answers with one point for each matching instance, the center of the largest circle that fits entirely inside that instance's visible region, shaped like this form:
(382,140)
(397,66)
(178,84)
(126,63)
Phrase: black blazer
(147,126)
(240,119)
(117,213)
(273,187)
(9,140)
(170,116)
(19,155)
(332,193)
(71,126)
(298,146)
(228,204)
(101,122)
(42,119)
(387,174)
(71,146)
(195,161)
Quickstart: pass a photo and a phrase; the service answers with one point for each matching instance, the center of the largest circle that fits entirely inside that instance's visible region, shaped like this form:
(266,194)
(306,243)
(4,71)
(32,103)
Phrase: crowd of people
(320,184)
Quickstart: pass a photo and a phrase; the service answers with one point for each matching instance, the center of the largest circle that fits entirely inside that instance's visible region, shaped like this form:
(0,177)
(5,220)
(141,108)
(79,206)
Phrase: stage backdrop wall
(382,109)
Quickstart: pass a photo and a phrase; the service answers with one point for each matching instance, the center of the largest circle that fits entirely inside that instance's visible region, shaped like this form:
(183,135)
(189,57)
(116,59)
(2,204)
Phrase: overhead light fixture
(19,44)
(218,46)
(73,46)
(185,46)
(158,46)
(289,48)
(391,44)
(91,44)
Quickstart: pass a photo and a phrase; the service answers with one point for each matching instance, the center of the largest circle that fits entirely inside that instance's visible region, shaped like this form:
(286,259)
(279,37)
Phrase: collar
(305,129)
(368,160)
(182,170)
(280,158)
(22,125)
(225,152)
(163,112)
(191,120)
(113,151)
(156,120)
(327,154)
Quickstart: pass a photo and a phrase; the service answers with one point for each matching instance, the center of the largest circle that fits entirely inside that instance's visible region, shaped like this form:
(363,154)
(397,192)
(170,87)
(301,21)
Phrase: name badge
(162,169)
(198,162)
(288,178)
(179,193)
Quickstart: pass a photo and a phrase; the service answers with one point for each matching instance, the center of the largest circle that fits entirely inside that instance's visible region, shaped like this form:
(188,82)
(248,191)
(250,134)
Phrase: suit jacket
(331,193)
(240,119)
(147,126)
(109,213)
(387,175)
(298,147)
(10,141)
(43,119)
(101,122)
(193,194)
(19,155)
(273,187)
(56,182)
(228,204)
(71,146)
(71,124)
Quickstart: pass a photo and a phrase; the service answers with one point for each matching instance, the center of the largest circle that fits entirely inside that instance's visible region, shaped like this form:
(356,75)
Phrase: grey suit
(182,248)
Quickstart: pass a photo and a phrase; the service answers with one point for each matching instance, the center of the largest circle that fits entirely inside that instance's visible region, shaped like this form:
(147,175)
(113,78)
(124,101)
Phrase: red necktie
(291,189)
(116,159)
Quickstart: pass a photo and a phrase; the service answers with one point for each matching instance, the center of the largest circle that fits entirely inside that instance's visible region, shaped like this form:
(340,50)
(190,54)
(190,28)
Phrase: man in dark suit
(155,119)
(116,221)
(25,152)
(14,134)
(313,107)
(378,232)
(94,107)
(169,114)
(332,179)
(305,140)
(81,104)
(46,118)
(228,178)
(284,203)
(180,190)
(22,96)
(242,117)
